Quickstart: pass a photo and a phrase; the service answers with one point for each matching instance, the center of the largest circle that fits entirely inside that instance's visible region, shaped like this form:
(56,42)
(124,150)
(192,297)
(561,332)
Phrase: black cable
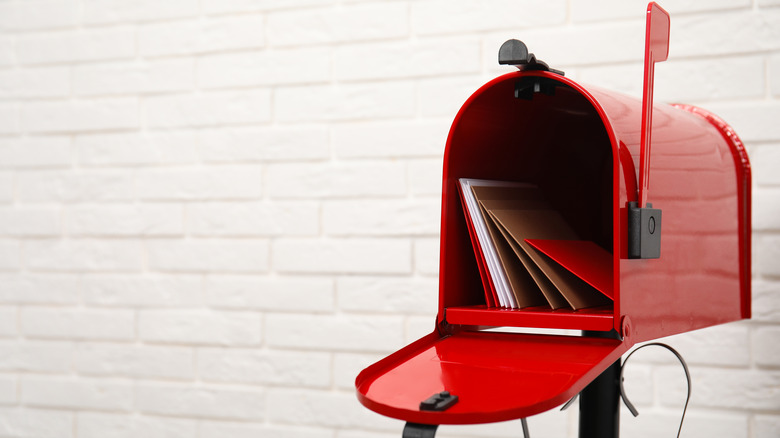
(631,407)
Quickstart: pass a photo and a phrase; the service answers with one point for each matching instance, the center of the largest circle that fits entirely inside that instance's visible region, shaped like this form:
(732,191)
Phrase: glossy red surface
(744,201)
(496,376)
(596,319)
(701,181)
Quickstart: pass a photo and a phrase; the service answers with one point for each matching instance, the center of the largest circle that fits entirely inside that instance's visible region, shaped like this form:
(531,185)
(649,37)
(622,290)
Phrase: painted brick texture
(215,213)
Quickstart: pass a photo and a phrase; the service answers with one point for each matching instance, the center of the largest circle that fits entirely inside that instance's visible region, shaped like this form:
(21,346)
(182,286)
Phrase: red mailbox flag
(656,50)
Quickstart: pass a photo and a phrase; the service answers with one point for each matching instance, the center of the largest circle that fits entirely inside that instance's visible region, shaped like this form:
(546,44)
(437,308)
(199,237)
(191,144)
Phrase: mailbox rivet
(651,225)
(625,326)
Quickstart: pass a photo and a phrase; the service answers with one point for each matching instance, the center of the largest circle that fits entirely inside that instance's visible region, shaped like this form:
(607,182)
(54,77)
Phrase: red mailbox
(582,146)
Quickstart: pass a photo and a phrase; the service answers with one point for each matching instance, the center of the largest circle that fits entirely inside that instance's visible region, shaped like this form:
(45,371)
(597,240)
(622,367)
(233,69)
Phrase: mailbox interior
(557,140)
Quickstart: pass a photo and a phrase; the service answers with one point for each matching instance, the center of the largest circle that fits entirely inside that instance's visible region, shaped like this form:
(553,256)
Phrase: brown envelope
(548,224)
(551,294)
(529,285)
(523,286)
(523,193)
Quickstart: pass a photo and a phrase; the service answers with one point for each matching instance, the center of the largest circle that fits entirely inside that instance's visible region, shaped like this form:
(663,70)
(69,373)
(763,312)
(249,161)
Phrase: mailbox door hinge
(644,231)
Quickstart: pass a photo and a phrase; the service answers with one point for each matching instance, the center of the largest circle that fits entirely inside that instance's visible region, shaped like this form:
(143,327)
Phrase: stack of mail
(528,256)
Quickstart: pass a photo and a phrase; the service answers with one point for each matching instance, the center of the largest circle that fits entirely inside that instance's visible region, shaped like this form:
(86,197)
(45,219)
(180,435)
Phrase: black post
(600,400)
(416,430)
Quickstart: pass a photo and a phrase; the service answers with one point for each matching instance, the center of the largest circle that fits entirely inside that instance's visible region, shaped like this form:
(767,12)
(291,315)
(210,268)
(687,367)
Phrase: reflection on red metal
(742,166)
(581,146)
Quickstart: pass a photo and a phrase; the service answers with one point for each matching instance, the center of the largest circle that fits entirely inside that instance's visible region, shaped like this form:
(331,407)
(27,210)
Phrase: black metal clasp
(644,231)
(438,402)
(515,52)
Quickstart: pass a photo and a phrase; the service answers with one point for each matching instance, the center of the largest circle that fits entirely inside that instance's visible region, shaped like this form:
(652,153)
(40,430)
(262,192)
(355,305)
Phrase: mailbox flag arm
(644,222)
(656,50)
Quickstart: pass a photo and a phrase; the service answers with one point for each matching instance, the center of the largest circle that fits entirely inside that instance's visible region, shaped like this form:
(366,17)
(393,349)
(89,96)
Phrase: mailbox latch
(644,231)
(438,402)
(515,52)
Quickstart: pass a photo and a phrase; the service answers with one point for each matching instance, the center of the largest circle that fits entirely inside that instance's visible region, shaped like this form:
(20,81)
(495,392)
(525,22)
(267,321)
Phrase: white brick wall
(201,401)
(29,421)
(215,213)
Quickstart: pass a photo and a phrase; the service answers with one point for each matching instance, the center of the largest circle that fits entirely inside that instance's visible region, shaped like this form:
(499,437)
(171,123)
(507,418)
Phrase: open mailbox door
(496,376)
(587,151)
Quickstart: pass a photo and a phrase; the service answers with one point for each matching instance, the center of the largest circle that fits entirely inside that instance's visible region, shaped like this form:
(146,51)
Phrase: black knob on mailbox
(515,52)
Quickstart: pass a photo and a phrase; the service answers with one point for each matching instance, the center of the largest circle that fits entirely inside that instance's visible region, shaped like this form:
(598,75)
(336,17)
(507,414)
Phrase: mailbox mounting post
(600,400)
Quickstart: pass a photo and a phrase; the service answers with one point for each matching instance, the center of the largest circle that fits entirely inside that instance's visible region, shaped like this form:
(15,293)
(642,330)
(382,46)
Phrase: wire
(630,405)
